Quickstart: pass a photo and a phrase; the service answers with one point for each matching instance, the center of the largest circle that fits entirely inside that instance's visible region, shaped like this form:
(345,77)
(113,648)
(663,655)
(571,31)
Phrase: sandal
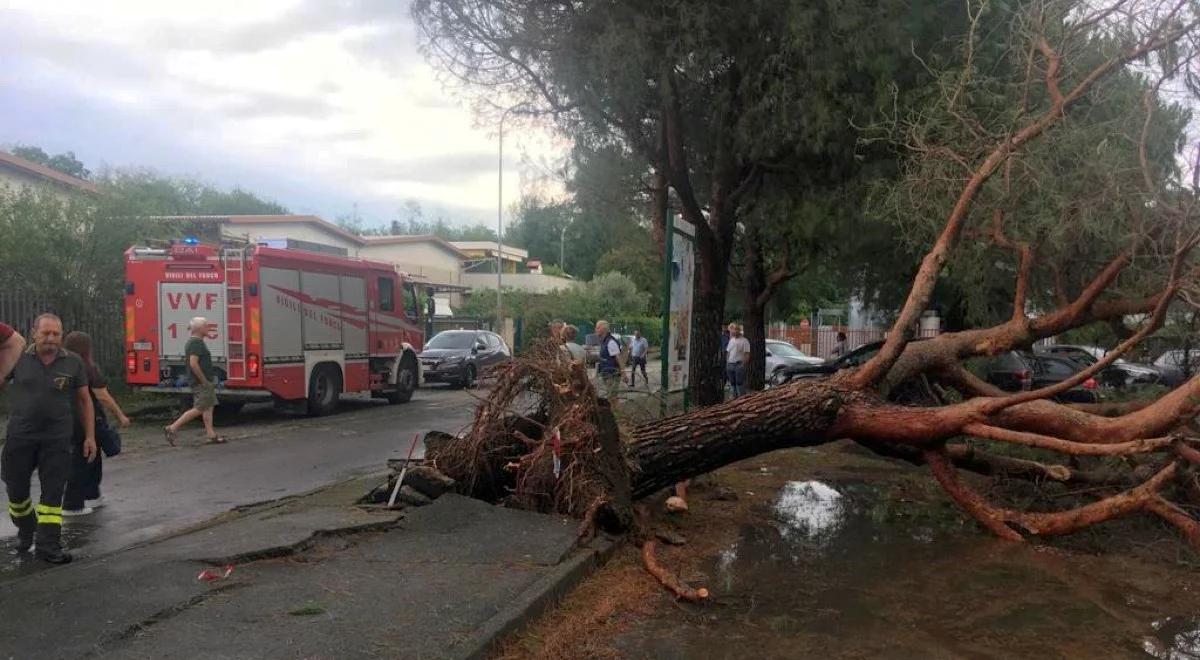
(216,440)
(169,435)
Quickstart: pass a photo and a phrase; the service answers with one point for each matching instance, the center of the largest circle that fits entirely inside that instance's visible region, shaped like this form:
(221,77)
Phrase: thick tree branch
(931,265)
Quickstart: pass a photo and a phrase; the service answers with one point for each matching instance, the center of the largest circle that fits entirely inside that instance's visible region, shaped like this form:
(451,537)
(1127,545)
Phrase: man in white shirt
(737,356)
(638,347)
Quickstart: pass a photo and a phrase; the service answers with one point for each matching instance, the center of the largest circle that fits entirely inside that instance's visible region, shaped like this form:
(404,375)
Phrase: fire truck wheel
(406,381)
(324,388)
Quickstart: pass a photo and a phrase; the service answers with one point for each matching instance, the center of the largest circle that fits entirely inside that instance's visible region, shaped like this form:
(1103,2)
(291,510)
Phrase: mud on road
(833,553)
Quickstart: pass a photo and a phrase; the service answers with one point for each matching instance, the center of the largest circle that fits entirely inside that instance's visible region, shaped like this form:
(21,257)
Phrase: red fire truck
(284,324)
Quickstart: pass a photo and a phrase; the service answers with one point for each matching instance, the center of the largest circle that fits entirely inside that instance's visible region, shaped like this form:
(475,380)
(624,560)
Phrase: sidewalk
(313,577)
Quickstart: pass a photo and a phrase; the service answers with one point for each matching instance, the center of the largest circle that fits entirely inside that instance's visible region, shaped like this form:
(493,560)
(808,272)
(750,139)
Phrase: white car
(781,354)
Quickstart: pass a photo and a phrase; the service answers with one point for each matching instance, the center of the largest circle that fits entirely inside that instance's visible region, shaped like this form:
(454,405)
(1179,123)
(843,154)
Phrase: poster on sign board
(683,268)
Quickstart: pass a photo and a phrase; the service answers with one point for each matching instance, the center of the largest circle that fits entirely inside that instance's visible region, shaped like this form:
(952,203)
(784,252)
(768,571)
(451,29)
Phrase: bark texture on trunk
(681,447)
(708,311)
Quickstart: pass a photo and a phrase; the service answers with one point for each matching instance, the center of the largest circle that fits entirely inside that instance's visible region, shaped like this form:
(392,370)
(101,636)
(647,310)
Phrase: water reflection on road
(832,572)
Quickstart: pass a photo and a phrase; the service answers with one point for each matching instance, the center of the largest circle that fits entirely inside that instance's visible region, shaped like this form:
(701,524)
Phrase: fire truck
(289,325)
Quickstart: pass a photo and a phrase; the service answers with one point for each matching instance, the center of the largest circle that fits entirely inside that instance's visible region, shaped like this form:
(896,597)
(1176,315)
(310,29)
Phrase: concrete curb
(535,600)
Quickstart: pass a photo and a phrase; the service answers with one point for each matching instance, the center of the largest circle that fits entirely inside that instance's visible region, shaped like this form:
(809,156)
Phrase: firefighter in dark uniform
(48,387)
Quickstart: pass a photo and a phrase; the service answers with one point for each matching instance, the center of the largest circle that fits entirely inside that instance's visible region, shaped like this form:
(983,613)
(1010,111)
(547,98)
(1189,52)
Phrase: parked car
(1015,371)
(1177,365)
(1120,373)
(913,392)
(825,368)
(460,357)
(781,354)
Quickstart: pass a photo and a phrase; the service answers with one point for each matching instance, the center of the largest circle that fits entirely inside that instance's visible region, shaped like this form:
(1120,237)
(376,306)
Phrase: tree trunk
(753,308)
(708,311)
(678,448)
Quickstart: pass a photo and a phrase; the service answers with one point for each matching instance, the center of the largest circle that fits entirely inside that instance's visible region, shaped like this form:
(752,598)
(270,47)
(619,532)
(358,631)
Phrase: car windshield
(452,340)
(784,349)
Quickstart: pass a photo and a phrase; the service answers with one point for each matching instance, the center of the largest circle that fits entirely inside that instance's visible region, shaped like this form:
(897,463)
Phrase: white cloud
(327,91)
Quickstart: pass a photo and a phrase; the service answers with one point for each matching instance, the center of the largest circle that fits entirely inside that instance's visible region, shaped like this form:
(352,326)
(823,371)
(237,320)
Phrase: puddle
(836,570)
(1174,638)
(76,536)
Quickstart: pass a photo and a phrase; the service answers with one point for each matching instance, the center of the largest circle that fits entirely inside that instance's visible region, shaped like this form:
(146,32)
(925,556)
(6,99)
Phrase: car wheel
(468,379)
(778,377)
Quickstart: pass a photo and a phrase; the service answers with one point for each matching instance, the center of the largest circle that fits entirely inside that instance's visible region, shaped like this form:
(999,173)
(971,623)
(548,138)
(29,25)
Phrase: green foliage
(66,162)
(611,296)
(641,263)
(144,192)
(539,228)
(411,221)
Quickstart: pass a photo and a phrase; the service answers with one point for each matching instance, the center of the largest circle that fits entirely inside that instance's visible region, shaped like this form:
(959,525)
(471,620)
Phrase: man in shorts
(202,378)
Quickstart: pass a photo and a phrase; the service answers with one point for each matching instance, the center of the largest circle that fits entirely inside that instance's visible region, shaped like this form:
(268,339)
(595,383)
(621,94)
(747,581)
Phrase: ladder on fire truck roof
(234,262)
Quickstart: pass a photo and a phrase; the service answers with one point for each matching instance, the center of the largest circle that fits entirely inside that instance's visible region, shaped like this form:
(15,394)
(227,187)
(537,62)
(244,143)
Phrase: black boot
(49,543)
(53,555)
(24,541)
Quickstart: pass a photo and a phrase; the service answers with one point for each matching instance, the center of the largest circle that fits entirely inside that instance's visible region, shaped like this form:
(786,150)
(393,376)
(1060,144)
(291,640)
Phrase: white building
(451,268)
(16,172)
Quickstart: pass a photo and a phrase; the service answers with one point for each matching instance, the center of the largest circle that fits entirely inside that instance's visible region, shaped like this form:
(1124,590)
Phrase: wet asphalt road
(153,489)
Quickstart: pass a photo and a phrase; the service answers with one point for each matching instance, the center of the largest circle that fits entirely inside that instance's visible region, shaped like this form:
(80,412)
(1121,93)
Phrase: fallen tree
(543,441)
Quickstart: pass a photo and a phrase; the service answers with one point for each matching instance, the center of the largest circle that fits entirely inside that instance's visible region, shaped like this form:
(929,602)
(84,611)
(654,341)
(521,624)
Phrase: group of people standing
(610,356)
(58,399)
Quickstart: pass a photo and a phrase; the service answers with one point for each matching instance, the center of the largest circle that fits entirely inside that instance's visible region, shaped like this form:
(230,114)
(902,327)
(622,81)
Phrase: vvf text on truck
(284,324)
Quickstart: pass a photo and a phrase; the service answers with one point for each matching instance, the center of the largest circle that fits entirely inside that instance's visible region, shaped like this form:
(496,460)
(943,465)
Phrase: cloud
(306,19)
(440,169)
(320,103)
(251,105)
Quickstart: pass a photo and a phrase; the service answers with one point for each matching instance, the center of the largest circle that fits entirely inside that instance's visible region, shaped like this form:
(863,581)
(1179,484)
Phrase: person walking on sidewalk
(12,344)
(737,356)
(49,391)
(83,486)
(638,347)
(202,378)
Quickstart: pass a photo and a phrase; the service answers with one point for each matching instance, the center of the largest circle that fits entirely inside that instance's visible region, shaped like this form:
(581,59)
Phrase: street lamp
(500,223)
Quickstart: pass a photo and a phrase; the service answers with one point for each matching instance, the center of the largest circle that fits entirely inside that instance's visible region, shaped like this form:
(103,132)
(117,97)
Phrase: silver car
(781,354)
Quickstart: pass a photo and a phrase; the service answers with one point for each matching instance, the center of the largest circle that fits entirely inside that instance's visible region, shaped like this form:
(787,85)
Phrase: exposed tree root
(667,578)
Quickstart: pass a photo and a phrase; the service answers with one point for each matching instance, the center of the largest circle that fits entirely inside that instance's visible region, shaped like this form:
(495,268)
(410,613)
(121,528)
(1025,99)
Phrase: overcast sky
(318,104)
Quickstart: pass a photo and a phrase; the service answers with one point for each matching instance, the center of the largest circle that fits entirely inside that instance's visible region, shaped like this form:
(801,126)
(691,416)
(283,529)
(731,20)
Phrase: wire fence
(102,319)
(819,342)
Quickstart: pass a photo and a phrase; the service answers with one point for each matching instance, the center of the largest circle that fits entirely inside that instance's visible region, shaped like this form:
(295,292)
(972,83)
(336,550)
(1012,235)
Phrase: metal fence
(819,342)
(103,320)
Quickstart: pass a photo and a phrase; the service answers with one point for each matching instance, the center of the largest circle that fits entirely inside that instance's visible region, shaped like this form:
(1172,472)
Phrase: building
(481,257)
(16,172)
(428,257)
(450,268)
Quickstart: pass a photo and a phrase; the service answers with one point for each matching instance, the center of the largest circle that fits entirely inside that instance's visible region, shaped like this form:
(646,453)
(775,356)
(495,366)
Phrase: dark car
(1119,374)
(459,357)
(1016,372)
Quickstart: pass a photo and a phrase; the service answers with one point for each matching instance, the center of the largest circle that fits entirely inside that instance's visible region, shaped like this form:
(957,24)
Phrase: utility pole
(562,239)
(500,224)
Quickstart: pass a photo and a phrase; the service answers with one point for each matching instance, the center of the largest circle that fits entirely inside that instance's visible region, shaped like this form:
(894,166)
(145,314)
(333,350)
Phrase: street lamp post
(500,223)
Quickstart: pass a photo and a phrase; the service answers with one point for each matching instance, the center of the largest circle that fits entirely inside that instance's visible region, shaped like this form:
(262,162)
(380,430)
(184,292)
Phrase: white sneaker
(70,513)
(96,503)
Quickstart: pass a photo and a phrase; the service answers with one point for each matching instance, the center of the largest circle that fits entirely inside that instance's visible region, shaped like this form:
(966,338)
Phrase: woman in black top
(83,487)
